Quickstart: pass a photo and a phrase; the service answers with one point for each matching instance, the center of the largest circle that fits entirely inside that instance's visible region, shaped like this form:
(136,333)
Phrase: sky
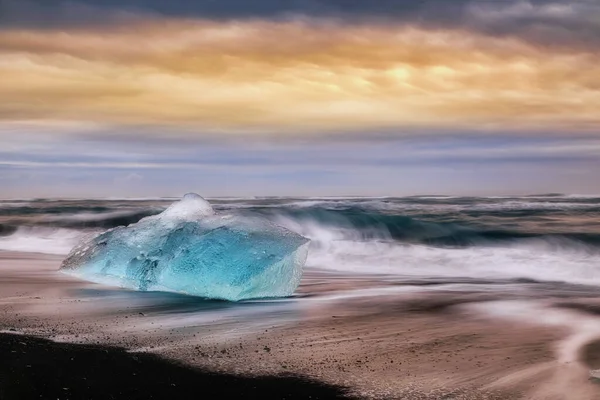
(138,98)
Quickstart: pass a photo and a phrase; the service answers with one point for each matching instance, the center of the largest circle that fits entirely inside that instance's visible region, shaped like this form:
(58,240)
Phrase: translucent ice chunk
(190,249)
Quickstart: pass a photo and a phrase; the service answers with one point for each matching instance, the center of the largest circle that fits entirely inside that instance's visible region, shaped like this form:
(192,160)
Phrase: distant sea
(545,238)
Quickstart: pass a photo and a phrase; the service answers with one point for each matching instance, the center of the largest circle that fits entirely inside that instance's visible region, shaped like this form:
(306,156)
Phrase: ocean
(541,238)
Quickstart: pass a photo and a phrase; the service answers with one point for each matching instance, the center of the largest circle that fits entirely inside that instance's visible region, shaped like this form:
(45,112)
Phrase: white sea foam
(347,250)
(41,240)
(536,261)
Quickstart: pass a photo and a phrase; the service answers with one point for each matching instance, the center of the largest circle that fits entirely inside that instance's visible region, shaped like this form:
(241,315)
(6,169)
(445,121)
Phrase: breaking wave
(543,238)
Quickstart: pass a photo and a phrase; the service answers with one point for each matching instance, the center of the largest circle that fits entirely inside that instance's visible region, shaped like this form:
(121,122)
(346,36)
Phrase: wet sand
(377,336)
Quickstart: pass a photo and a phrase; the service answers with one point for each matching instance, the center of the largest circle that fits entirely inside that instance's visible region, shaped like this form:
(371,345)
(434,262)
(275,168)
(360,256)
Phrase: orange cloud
(293,76)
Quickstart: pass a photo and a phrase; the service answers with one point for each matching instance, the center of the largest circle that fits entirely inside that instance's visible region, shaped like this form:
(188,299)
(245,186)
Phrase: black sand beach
(33,368)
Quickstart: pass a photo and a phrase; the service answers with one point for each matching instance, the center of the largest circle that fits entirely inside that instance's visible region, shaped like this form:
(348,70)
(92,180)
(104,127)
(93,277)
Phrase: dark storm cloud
(541,21)
(53,11)
(546,22)
(65,14)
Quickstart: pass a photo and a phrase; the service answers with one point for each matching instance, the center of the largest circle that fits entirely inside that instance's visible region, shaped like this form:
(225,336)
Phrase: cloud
(67,13)
(552,23)
(35,13)
(294,76)
(141,155)
(548,22)
(396,167)
(299,96)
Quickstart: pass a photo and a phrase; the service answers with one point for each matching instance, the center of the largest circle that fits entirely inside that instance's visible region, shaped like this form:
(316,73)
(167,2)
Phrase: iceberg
(191,249)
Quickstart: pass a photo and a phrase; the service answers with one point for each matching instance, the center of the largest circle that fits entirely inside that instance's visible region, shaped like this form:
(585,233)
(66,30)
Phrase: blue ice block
(190,249)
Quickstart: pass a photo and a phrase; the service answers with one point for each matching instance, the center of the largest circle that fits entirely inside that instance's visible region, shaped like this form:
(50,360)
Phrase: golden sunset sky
(297,74)
(280,69)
